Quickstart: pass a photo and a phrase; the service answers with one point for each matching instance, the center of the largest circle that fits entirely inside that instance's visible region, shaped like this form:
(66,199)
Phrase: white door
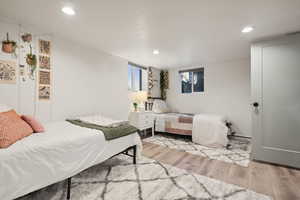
(275,77)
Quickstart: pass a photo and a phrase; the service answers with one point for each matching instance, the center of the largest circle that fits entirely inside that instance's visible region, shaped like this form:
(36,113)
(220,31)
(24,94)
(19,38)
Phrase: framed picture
(44,92)
(44,62)
(8,71)
(44,47)
(44,78)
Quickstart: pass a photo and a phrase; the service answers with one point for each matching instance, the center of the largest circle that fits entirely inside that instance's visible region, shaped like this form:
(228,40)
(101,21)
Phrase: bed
(170,122)
(175,123)
(205,129)
(61,152)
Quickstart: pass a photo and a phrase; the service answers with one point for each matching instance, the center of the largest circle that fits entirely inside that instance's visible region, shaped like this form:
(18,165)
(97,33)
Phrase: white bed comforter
(61,152)
(209,130)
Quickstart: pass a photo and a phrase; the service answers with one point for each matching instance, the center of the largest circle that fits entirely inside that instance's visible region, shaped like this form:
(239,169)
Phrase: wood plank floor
(279,182)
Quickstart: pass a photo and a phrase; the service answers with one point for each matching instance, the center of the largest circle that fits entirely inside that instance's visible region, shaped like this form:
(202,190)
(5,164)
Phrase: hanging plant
(150,78)
(31,61)
(31,58)
(27,37)
(163,85)
(9,46)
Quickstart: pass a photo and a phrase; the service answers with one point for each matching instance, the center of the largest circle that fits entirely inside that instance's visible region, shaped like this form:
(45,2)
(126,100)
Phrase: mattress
(62,151)
(177,123)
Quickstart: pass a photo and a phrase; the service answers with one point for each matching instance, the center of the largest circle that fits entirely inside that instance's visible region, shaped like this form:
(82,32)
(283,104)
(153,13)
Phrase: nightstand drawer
(146,117)
(141,120)
(146,123)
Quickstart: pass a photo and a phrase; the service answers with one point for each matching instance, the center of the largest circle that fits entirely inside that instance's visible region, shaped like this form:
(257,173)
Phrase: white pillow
(4,108)
(160,106)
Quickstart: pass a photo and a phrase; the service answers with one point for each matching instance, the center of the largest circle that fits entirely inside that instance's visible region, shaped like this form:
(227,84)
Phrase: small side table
(142,120)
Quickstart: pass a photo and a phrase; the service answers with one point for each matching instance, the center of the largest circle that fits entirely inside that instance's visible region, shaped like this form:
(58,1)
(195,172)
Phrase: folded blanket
(101,120)
(110,133)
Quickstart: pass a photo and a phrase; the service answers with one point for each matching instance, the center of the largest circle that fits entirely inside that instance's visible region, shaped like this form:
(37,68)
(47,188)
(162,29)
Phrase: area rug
(119,179)
(239,153)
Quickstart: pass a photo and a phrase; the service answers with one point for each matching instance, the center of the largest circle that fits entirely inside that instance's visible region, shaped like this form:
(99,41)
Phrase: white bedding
(101,120)
(209,130)
(61,152)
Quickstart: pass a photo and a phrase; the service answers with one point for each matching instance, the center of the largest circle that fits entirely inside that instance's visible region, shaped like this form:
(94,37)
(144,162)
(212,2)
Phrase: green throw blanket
(110,133)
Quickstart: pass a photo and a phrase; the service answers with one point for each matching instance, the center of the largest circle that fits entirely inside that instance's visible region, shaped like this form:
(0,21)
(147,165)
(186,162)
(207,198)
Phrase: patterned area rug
(239,152)
(118,179)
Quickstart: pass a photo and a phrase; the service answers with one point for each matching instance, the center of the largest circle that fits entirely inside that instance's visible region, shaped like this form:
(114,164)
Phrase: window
(137,77)
(192,80)
(186,82)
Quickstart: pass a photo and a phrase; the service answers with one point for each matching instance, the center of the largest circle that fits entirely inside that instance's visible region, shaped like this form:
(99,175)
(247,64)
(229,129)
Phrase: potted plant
(135,105)
(8,46)
(31,61)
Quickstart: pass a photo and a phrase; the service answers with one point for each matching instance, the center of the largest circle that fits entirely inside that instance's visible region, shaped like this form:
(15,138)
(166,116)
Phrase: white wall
(9,92)
(227,92)
(84,81)
(88,81)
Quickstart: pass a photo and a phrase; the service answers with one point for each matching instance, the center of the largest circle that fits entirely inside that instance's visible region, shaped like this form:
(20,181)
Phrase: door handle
(255,104)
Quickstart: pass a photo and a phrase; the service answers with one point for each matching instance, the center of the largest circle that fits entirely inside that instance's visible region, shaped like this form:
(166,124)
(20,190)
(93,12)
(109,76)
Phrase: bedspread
(177,123)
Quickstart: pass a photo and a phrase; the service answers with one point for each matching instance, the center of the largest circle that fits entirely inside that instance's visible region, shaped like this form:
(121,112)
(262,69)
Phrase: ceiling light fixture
(247,29)
(156,52)
(68,10)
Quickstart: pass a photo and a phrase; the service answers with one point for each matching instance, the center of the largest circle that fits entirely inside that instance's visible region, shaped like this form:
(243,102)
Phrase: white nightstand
(142,120)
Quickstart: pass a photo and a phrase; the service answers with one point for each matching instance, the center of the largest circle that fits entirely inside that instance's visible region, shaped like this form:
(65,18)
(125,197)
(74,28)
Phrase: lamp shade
(139,97)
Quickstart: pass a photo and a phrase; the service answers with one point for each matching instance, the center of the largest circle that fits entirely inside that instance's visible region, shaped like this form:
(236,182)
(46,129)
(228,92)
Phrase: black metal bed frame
(126,152)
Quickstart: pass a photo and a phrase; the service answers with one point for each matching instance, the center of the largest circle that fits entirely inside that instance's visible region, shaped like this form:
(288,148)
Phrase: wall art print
(44,78)
(44,62)
(8,71)
(44,47)
(44,92)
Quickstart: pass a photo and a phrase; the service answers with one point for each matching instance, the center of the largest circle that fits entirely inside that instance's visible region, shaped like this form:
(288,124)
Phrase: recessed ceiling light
(68,10)
(155,51)
(247,29)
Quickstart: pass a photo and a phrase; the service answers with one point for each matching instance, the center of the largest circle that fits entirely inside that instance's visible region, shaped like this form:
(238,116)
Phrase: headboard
(149,105)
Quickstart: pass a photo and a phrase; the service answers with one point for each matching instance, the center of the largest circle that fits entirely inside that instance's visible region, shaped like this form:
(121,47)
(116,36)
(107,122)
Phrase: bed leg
(134,154)
(69,189)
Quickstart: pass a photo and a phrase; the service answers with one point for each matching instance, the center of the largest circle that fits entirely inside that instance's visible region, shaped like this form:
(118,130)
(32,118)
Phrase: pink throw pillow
(12,128)
(35,125)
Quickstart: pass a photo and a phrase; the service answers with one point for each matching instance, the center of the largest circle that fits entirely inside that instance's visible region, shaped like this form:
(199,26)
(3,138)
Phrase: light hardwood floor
(279,182)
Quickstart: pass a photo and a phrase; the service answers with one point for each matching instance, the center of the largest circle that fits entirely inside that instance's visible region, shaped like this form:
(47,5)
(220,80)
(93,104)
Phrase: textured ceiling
(187,32)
